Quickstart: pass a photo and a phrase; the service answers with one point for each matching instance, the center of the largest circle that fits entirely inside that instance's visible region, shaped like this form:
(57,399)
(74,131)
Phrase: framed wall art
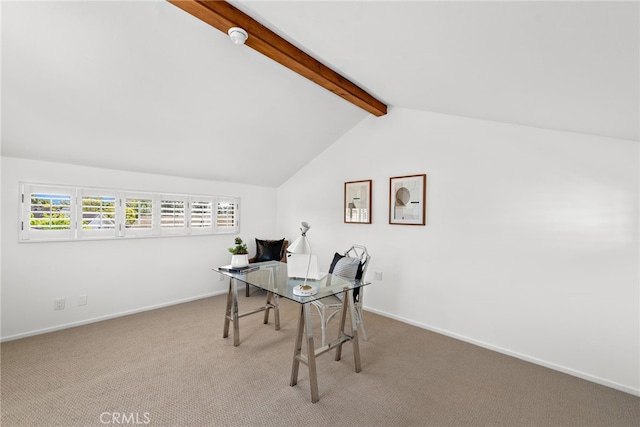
(357,202)
(407,199)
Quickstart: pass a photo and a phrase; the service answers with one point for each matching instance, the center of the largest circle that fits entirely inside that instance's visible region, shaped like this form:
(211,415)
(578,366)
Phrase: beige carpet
(171,367)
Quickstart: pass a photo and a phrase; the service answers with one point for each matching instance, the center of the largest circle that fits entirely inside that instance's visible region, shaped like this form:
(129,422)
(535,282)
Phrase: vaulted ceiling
(145,86)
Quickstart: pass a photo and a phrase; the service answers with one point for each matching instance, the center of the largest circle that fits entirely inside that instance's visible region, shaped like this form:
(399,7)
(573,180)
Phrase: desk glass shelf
(272,276)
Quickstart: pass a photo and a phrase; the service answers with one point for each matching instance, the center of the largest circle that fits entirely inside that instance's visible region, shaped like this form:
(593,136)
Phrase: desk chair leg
(324,322)
(361,323)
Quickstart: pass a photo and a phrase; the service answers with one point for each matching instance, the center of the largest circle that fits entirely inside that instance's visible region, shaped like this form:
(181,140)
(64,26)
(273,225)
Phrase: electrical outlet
(378,275)
(58,304)
(82,300)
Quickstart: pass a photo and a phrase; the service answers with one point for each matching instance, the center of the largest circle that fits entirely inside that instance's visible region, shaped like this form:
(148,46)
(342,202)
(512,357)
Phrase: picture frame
(407,199)
(357,202)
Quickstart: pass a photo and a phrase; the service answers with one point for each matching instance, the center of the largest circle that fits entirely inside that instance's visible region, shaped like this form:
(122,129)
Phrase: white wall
(531,242)
(118,276)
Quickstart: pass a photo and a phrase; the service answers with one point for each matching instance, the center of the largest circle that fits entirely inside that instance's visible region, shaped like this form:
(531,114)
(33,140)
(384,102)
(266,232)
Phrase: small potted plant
(239,257)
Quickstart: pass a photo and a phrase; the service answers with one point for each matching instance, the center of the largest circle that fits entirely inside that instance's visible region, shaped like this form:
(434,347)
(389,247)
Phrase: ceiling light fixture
(238,35)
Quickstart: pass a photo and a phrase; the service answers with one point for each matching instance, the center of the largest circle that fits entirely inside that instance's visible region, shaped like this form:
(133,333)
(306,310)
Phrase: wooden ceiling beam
(222,15)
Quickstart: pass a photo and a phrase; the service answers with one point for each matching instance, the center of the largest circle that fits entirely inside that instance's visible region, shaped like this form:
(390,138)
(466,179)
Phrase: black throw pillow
(268,250)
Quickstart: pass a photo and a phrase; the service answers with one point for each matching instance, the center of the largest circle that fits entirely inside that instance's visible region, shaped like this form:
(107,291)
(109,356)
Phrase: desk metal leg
(347,296)
(343,319)
(276,313)
(231,313)
(354,332)
(272,303)
(311,353)
(297,349)
(234,314)
(304,324)
(227,313)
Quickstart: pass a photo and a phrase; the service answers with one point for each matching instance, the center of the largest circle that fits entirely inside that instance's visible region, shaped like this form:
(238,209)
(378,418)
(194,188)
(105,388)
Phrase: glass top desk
(272,277)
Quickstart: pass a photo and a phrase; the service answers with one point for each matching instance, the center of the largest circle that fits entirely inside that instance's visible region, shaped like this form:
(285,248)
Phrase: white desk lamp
(301,246)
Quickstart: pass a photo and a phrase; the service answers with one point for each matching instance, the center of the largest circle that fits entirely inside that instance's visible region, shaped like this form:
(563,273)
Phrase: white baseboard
(517,355)
(534,360)
(109,316)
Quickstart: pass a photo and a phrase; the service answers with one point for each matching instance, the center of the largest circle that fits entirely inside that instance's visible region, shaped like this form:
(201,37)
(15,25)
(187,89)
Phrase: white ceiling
(145,86)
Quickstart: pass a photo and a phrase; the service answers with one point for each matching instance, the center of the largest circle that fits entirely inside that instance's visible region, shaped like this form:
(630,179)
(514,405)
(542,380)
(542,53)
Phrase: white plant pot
(238,261)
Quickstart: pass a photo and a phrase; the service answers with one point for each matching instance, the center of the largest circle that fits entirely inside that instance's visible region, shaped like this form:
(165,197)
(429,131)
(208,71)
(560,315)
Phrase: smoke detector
(238,35)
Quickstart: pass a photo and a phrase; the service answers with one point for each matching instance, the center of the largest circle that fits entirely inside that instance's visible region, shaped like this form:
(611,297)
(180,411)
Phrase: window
(172,215)
(138,215)
(97,213)
(226,214)
(201,212)
(47,213)
(51,212)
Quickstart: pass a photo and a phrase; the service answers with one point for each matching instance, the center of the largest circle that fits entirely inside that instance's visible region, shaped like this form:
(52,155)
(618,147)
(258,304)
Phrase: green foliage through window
(50,212)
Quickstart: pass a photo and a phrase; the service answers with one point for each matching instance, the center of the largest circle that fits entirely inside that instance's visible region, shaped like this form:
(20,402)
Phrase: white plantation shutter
(98,213)
(201,215)
(57,212)
(173,217)
(138,215)
(227,215)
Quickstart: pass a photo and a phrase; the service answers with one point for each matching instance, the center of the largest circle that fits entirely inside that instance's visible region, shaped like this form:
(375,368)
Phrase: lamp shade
(300,246)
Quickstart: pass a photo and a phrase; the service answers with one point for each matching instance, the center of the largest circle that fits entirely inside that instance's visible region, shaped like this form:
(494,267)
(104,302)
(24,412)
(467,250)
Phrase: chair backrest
(360,252)
(283,252)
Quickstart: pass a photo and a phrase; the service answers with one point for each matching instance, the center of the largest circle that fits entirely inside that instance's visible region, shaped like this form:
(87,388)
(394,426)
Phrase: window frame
(27,233)
(77,232)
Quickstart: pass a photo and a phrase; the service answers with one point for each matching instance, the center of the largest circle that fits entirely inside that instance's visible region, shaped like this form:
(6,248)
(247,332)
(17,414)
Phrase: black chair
(269,250)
